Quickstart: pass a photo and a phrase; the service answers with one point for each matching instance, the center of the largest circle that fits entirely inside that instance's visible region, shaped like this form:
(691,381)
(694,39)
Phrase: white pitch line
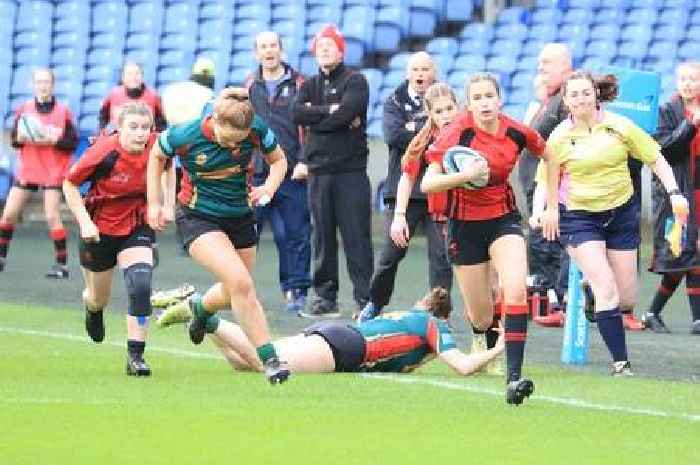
(571,402)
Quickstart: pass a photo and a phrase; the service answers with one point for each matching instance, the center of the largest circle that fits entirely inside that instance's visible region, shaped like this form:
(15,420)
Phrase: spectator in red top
(131,89)
(484,224)
(113,228)
(45,137)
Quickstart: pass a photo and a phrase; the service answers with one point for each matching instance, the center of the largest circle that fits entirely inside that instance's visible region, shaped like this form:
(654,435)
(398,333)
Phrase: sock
(59,245)
(212,324)
(476,330)
(266,352)
(613,333)
(492,333)
(515,335)
(668,285)
(6,230)
(135,348)
(692,285)
(197,307)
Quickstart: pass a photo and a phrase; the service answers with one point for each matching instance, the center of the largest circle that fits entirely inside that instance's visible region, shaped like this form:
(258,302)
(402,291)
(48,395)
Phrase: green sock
(266,352)
(198,308)
(212,324)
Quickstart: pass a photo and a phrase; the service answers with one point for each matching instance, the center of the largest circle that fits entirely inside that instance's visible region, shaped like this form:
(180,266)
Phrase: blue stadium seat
(668,32)
(674,17)
(399,61)
(70,24)
(651,4)
(505,47)
(374,80)
(477,32)
(357,24)
(443,62)
(144,57)
(142,40)
(34,39)
(68,56)
(90,105)
(139,23)
(632,49)
(527,64)
(579,16)
(169,74)
(243,60)
(688,4)
(601,48)
(422,18)
(104,56)
(636,32)
(612,16)
(33,56)
(385,92)
(115,25)
(664,49)
(523,80)
(307,64)
(394,78)
(216,10)
(515,111)
(258,11)
(375,128)
(108,40)
(474,47)
(176,24)
(514,31)
(237,76)
(178,41)
(693,32)
(458,10)
(641,16)
(659,65)
(443,45)
(520,96)
(668,82)
(325,13)
(471,63)
(533,47)
(21,80)
(73,9)
(249,27)
(354,52)
(501,64)
(545,32)
(99,73)
(215,27)
(514,14)
(689,50)
(624,62)
(243,43)
(176,58)
(390,25)
(96,89)
(570,31)
(34,15)
(289,28)
(595,63)
(78,40)
(550,16)
(106,13)
(609,32)
(216,41)
(88,122)
(290,11)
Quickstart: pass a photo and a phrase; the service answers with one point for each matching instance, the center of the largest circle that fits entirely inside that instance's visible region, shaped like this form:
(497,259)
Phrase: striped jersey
(399,342)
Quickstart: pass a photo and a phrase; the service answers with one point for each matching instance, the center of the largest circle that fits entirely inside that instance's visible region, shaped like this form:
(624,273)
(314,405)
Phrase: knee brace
(138,279)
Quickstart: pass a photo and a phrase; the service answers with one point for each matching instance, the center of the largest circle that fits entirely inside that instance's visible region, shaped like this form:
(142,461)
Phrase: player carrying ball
(484,224)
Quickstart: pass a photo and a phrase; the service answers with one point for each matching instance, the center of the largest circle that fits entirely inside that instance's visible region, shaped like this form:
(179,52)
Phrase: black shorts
(468,242)
(31,187)
(102,256)
(240,231)
(346,343)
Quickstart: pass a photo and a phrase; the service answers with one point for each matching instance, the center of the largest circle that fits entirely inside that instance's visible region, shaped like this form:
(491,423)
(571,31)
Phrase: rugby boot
(57,272)
(176,313)
(369,312)
(621,368)
(631,322)
(137,366)
(656,324)
(321,308)
(164,299)
(94,325)
(519,390)
(695,327)
(276,371)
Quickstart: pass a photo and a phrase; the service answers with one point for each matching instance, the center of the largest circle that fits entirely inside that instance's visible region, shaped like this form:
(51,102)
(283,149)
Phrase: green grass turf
(65,400)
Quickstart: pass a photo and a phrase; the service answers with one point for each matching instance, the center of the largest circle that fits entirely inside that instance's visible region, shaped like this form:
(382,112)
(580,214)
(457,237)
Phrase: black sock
(6,231)
(668,285)
(492,333)
(59,244)
(515,335)
(135,348)
(613,333)
(692,284)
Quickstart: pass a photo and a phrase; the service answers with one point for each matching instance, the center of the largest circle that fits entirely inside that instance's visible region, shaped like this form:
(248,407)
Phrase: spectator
(405,114)
(132,88)
(679,138)
(273,89)
(45,136)
(333,105)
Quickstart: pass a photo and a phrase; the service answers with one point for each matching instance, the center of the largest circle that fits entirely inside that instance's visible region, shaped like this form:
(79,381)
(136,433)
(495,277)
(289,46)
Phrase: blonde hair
(233,109)
(134,108)
(480,77)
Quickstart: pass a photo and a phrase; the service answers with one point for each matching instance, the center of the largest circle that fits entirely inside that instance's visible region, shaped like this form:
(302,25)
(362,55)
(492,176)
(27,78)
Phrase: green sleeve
(268,140)
(178,135)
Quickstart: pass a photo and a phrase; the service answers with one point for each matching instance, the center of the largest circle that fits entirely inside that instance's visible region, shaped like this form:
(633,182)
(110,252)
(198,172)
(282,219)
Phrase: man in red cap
(333,106)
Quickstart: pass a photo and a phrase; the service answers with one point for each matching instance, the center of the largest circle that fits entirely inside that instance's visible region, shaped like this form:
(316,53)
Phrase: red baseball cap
(331,31)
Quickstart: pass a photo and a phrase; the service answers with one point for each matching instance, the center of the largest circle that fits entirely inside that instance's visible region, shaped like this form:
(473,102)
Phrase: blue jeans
(288,215)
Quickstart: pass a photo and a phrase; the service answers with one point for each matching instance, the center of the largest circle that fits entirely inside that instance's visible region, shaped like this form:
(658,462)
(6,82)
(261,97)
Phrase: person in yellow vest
(45,137)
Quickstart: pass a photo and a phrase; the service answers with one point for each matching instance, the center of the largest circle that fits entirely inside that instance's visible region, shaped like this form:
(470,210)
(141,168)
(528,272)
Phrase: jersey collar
(207,129)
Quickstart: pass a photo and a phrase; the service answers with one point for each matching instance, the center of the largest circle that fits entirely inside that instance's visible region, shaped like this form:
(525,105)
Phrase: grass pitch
(65,400)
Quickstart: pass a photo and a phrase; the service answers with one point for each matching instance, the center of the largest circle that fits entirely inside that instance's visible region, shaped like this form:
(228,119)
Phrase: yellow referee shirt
(596,160)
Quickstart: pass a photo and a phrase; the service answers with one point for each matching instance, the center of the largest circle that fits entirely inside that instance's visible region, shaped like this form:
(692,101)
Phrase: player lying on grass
(394,342)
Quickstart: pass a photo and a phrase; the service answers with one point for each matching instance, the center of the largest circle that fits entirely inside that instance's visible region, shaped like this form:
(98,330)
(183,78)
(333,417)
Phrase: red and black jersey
(501,151)
(117,198)
(437,201)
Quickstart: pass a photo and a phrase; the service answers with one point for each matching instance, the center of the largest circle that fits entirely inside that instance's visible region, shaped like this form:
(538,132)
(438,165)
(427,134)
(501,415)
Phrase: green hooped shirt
(216,177)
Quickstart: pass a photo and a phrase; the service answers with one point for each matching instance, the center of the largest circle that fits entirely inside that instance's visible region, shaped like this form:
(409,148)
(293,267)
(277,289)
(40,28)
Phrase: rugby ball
(30,128)
(457,158)
(183,101)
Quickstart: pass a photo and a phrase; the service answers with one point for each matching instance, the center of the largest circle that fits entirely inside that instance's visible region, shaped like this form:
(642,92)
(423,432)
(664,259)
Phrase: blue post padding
(575,345)
(638,97)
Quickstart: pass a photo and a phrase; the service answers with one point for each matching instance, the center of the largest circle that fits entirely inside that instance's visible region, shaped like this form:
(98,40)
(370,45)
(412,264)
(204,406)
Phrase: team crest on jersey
(235,152)
(200,159)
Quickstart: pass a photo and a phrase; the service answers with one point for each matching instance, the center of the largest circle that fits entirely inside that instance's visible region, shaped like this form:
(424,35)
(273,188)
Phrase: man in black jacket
(333,106)
(273,89)
(404,116)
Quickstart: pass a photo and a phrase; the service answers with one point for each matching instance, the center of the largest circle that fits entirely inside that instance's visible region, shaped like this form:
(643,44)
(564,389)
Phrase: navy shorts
(618,227)
(468,242)
(346,343)
(240,231)
(102,255)
(31,187)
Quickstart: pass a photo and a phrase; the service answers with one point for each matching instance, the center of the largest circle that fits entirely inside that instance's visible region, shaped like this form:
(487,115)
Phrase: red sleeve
(86,164)
(412,168)
(447,138)
(533,141)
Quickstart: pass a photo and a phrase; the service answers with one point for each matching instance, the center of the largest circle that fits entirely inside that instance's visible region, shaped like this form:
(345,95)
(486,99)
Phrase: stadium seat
(68,56)
(443,62)
(77,40)
(659,65)
(96,89)
(546,16)
(695,17)
(34,15)
(169,74)
(99,73)
(394,78)
(325,13)
(693,32)
(108,40)
(176,58)
(632,49)
(422,19)
(458,10)
(75,9)
(477,32)
(116,25)
(474,47)
(651,4)
(218,11)
(665,49)
(249,28)
(674,17)
(471,63)
(689,50)
(237,76)
(526,63)
(580,16)
(178,41)
(375,129)
(515,111)
(290,11)
(243,60)
(33,56)
(216,41)
(544,32)
(104,56)
(667,32)
(501,64)
(506,47)
(139,23)
(641,16)
(607,32)
(513,14)
(443,45)
(624,61)
(601,48)
(104,13)
(70,24)
(611,16)
(533,47)
(257,11)
(595,63)
(144,57)
(21,80)
(33,39)
(636,32)
(523,80)
(574,31)
(88,122)
(520,96)
(399,61)
(142,40)
(90,105)
(514,31)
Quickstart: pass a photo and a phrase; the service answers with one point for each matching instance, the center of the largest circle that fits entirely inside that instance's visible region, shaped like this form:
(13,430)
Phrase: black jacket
(544,123)
(276,110)
(400,109)
(675,134)
(334,143)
